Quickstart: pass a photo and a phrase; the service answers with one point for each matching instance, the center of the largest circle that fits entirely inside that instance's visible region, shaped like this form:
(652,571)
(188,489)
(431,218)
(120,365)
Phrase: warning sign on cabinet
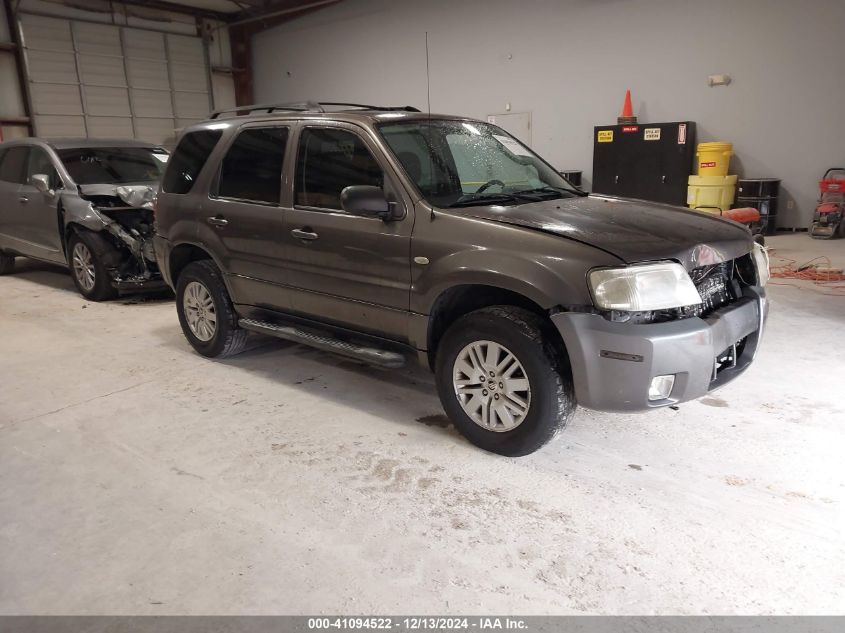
(651,134)
(605,136)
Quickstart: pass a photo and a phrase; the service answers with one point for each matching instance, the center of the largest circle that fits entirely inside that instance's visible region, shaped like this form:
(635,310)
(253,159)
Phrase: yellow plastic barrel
(706,192)
(714,158)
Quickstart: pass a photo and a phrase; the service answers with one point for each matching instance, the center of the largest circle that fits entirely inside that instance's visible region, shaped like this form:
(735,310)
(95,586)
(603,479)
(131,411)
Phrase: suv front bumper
(614,363)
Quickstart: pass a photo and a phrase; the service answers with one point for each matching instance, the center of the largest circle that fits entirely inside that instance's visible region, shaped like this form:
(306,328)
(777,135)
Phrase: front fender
(82,212)
(529,278)
(547,269)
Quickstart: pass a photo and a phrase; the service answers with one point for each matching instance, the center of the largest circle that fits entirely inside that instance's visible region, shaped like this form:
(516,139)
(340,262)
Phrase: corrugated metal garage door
(80,75)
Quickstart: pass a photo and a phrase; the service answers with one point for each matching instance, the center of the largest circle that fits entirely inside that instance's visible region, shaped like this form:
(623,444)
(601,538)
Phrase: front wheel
(502,380)
(87,269)
(205,310)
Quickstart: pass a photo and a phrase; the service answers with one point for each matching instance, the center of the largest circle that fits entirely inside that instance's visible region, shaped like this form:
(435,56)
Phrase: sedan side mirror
(42,183)
(366,201)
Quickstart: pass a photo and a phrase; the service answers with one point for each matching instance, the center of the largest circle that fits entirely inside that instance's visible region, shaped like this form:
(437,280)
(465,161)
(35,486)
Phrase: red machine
(749,216)
(827,219)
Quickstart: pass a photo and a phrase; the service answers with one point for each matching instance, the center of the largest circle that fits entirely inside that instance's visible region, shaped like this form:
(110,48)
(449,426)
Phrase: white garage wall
(570,61)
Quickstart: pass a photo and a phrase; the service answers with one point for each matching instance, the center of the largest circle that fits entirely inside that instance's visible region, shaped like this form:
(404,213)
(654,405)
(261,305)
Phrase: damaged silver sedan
(85,204)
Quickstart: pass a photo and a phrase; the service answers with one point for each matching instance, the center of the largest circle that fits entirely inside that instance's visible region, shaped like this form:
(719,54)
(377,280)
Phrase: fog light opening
(661,387)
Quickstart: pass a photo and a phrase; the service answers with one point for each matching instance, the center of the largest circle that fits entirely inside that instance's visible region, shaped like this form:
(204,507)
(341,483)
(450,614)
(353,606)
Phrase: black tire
(102,288)
(228,338)
(7,264)
(533,342)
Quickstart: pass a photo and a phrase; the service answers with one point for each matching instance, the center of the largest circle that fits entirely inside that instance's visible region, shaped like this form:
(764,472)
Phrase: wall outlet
(790,204)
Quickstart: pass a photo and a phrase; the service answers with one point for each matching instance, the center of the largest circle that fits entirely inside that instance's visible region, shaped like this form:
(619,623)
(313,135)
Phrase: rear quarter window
(188,160)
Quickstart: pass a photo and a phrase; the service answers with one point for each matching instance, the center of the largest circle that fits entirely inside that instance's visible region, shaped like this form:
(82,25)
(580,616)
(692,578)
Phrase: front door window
(330,160)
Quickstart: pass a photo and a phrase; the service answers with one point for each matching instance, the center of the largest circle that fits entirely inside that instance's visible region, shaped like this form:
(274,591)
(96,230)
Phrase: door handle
(663,179)
(23,199)
(616,180)
(217,221)
(304,234)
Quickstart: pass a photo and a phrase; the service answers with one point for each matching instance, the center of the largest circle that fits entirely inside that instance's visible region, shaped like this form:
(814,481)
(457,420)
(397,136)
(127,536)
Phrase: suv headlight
(643,287)
(761,263)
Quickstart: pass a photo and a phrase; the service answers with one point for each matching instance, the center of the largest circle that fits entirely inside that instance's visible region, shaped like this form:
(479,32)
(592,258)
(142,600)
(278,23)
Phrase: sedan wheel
(199,311)
(492,386)
(83,267)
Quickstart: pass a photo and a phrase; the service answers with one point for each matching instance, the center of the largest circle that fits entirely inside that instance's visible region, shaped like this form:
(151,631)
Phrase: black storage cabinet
(648,161)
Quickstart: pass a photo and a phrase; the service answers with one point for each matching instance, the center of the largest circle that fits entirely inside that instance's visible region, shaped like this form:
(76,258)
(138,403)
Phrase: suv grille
(712,283)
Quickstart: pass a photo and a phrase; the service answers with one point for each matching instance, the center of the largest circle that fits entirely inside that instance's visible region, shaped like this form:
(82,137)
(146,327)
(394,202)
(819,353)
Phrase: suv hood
(632,230)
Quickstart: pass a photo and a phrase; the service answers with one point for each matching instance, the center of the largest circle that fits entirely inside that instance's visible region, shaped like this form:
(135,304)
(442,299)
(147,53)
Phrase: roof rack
(305,106)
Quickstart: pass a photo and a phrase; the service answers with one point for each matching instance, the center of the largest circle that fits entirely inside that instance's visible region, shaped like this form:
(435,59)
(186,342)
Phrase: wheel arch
(183,254)
(456,301)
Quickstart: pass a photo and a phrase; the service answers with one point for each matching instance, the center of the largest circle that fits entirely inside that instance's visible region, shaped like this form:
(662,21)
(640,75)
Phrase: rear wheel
(87,269)
(206,314)
(502,380)
(7,263)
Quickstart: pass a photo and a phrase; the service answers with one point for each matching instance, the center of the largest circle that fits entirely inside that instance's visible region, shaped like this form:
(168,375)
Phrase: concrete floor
(139,478)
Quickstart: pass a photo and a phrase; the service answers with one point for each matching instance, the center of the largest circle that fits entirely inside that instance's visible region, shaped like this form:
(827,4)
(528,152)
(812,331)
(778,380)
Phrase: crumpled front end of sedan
(121,219)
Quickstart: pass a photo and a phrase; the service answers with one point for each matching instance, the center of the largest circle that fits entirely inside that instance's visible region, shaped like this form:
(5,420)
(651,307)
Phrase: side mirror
(365,201)
(42,183)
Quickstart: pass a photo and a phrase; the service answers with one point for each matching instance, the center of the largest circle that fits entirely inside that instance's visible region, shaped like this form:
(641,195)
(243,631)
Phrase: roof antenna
(428,99)
(427,77)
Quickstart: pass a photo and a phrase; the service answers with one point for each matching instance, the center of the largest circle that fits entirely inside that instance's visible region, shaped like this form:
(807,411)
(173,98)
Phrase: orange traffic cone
(627,111)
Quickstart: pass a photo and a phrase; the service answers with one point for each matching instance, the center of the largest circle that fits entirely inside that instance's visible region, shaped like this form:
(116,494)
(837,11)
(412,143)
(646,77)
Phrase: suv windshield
(469,163)
(113,165)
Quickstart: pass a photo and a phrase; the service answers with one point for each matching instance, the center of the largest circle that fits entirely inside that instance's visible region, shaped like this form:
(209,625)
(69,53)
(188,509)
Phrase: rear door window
(188,160)
(13,167)
(330,160)
(252,167)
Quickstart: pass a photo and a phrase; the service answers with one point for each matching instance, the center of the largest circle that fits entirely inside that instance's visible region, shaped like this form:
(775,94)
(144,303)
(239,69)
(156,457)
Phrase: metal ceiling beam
(297,8)
(165,5)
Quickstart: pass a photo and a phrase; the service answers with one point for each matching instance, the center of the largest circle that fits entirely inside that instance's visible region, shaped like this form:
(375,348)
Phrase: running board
(371,355)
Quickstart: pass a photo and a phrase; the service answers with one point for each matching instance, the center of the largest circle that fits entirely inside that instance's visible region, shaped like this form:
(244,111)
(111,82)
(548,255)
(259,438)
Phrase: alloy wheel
(83,266)
(199,311)
(492,386)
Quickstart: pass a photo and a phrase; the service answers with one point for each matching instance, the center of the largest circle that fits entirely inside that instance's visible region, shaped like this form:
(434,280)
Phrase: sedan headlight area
(761,263)
(644,287)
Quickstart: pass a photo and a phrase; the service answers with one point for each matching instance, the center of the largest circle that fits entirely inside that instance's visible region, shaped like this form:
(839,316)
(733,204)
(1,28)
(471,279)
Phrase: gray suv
(85,204)
(386,234)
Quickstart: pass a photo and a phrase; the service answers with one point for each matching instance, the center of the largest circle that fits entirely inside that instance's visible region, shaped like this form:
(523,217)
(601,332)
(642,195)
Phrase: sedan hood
(111,189)
(135,195)
(632,230)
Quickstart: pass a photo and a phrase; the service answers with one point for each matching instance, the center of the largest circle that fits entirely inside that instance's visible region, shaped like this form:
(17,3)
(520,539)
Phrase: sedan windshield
(113,165)
(469,163)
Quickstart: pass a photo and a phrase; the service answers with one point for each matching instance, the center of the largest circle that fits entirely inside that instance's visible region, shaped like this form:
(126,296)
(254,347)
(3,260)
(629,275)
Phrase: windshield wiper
(552,189)
(530,195)
(478,199)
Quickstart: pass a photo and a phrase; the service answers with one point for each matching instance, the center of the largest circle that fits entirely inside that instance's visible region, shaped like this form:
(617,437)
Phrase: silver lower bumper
(614,363)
